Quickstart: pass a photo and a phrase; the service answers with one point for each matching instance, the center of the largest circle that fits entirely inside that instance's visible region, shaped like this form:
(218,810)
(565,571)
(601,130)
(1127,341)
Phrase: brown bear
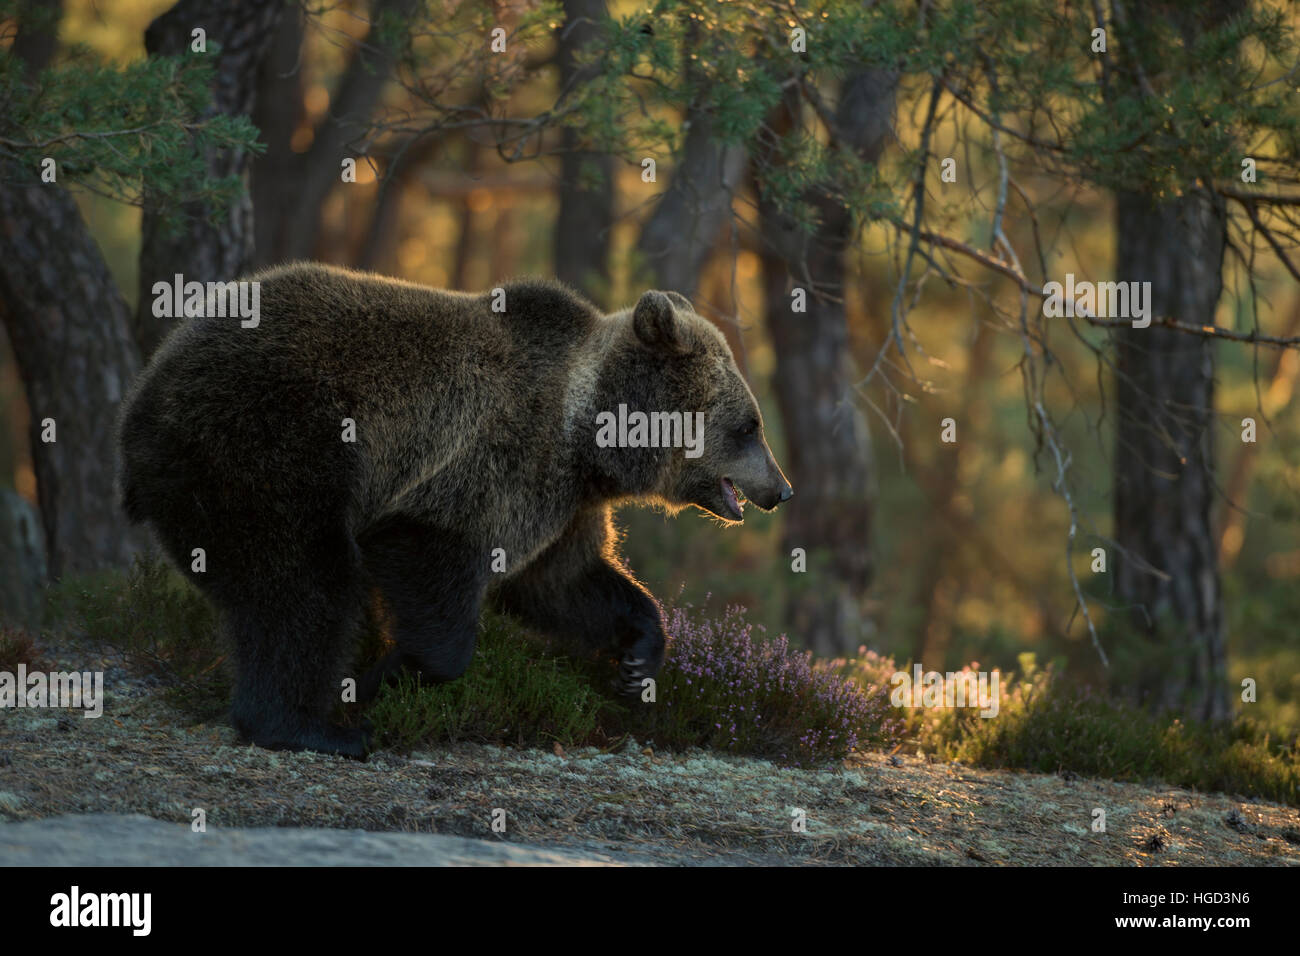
(444,448)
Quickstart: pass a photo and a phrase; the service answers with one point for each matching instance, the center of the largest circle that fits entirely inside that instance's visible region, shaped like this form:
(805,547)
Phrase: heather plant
(725,686)
(17,646)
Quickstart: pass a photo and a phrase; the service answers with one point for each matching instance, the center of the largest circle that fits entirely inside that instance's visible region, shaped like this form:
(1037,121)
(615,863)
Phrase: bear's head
(689,430)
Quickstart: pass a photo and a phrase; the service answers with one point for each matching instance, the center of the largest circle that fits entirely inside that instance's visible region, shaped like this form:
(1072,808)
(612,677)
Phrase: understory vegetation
(725,686)
(1047,725)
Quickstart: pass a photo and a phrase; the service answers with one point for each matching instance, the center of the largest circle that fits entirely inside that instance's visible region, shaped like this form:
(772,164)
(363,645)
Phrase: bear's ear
(680,301)
(655,323)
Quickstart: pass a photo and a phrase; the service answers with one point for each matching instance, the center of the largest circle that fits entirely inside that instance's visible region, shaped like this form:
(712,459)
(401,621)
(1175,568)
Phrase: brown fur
(475,431)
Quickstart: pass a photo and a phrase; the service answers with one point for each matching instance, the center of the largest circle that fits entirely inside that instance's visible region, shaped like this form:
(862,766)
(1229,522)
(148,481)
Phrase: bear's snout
(770,499)
(762,481)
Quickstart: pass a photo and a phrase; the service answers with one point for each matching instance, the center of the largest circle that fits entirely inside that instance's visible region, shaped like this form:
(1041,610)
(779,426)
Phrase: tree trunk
(277,113)
(829,455)
(385,227)
(310,176)
(464,253)
(1164,462)
(680,235)
(202,250)
(930,643)
(37,34)
(585,220)
(1277,383)
(70,331)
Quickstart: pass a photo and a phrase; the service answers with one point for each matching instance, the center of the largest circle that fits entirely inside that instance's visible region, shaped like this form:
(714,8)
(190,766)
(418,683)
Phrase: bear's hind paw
(351,742)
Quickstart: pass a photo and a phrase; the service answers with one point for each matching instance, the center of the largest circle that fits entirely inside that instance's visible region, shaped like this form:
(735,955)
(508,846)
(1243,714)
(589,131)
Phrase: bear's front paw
(631,672)
(642,650)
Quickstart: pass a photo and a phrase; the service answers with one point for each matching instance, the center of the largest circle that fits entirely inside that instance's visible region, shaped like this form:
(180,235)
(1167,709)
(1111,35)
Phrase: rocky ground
(633,806)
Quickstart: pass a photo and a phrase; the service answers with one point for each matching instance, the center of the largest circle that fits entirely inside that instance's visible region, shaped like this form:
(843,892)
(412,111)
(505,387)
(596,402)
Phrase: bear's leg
(575,589)
(270,709)
(292,630)
(433,581)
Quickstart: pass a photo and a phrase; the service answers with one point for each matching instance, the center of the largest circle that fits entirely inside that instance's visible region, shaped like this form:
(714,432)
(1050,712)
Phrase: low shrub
(513,692)
(723,686)
(726,687)
(1047,725)
(17,646)
(158,622)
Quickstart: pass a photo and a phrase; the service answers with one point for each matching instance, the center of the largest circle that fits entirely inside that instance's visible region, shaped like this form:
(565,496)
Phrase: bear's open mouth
(732,500)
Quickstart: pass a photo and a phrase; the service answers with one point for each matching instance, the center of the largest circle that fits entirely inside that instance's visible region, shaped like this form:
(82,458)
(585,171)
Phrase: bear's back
(361,327)
(366,340)
(428,376)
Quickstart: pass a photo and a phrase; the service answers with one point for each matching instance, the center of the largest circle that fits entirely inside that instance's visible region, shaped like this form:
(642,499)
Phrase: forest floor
(632,806)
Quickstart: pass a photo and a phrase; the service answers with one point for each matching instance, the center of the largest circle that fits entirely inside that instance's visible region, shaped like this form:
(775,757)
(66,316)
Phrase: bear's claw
(630,675)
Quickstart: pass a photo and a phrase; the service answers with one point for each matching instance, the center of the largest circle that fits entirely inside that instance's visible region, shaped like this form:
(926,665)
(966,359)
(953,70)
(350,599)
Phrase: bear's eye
(745,431)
